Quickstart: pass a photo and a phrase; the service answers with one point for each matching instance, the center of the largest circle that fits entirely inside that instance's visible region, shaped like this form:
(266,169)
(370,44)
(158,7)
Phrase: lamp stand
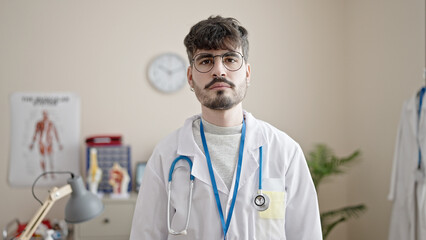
(55,194)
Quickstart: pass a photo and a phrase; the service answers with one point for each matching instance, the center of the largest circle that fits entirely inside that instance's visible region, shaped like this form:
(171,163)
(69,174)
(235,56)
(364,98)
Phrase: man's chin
(222,103)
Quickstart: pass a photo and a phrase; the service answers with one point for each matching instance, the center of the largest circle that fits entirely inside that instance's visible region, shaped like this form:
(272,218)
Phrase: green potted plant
(322,163)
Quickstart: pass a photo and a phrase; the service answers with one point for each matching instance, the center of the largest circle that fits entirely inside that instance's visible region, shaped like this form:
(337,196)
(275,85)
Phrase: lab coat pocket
(276,209)
(271,222)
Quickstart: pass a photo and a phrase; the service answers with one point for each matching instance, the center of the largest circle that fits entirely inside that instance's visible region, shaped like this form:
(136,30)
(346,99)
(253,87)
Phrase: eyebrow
(204,55)
(210,54)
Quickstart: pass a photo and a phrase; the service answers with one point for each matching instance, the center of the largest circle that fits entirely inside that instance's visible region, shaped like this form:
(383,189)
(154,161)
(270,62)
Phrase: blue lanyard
(421,94)
(225,226)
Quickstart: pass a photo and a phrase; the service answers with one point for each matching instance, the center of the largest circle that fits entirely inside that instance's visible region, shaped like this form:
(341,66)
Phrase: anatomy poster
(45,137)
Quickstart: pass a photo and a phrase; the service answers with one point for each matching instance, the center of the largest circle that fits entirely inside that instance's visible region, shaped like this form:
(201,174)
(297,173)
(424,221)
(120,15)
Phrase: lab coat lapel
(417,126)
(254,139)
(422,129)
(188,147)
(412,113)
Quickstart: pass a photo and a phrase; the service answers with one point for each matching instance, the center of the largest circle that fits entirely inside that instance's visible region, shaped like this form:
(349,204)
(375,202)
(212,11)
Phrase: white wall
(384,67)
(329,71)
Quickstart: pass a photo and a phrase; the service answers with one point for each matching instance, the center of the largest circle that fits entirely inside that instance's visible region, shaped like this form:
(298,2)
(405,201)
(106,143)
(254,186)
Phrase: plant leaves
(323,163)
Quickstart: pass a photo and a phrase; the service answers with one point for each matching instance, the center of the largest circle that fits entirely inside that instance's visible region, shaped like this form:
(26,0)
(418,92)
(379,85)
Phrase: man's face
(219,88)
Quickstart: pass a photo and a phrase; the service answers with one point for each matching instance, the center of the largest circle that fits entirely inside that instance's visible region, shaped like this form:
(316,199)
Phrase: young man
(250,180)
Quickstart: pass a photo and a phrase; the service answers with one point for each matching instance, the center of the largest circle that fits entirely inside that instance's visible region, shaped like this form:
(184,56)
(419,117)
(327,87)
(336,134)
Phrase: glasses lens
(203,62)
(232,60)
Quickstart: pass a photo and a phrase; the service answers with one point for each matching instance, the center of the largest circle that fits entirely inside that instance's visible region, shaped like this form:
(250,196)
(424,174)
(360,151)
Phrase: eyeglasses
(204,62)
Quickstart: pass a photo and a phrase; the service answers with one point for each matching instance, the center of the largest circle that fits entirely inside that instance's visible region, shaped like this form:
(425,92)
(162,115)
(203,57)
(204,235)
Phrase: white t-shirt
(223,144)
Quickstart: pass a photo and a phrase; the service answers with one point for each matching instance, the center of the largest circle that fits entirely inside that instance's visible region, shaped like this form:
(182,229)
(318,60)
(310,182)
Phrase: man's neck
(223,118)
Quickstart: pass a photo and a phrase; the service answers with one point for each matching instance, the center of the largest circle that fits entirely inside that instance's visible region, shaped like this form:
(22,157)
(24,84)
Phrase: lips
(219,82)
(219,86)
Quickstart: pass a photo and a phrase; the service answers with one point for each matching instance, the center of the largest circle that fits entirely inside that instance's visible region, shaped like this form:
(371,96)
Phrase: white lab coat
(406,216)
(293,212)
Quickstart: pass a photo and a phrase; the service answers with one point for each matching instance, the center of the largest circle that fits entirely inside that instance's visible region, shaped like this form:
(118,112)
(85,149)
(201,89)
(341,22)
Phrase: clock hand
(177,69)
(168,71)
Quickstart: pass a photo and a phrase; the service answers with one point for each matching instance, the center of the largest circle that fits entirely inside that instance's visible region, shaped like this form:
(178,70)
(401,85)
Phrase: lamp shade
(82,205)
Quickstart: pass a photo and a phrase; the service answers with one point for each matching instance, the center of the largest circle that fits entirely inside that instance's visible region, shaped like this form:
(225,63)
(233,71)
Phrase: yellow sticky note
(276,208)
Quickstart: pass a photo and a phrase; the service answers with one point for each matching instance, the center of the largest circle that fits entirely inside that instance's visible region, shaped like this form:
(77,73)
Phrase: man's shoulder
(280,141)
(273,132)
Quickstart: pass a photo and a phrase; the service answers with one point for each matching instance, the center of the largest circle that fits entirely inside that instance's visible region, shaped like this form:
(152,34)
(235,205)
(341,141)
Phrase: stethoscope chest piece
(261,201)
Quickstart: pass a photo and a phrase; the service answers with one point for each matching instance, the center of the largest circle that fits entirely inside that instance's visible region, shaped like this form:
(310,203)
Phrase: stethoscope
(260,200)
(191,178)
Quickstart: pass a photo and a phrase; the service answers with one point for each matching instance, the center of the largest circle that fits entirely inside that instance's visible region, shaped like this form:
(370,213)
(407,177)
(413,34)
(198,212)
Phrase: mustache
(219,79)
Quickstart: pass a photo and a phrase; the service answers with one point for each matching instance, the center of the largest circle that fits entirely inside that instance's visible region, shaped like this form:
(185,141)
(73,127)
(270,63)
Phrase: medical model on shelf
(119,180)
(94,175)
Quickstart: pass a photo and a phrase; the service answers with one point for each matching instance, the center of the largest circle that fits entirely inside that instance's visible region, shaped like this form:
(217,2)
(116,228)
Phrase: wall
(384,66)
(330,71)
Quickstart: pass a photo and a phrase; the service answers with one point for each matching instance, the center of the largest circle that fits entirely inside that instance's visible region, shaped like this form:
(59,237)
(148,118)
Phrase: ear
(189,76)
(248,73)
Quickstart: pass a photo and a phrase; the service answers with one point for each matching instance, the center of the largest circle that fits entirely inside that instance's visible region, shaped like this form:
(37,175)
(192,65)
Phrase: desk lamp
(82,205)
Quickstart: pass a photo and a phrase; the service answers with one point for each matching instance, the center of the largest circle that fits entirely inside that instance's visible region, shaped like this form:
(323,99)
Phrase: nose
(218,67)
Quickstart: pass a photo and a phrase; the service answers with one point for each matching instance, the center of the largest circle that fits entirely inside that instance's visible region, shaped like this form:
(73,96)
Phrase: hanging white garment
(408,188)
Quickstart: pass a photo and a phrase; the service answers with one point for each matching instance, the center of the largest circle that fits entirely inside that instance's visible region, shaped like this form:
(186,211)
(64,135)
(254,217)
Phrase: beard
(220,102)
(220,99)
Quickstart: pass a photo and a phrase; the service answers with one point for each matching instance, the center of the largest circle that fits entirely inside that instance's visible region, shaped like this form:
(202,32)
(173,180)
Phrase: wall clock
(167,72)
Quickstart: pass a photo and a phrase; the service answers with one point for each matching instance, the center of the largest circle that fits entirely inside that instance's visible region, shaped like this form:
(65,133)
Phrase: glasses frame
(214,57)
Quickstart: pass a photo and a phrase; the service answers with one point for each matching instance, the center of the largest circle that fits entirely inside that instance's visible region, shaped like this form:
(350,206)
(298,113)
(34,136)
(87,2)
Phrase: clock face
(167,72)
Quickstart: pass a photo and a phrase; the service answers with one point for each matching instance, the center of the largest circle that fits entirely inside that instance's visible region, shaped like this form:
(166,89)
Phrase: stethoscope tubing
(169,186)
(260,167)
(263,198)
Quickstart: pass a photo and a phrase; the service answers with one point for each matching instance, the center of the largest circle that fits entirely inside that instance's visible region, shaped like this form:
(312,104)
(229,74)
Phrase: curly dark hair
(217,32)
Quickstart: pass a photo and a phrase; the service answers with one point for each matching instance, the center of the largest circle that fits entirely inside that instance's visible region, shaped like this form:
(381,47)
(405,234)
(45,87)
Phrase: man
(251,181)
(45,131)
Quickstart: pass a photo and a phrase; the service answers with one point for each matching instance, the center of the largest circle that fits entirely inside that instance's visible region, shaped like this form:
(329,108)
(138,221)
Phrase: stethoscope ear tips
(261,202)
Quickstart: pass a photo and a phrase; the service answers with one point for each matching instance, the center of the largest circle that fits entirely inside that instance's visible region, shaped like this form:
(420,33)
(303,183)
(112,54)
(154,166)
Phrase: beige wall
(330,71)
(384,64)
